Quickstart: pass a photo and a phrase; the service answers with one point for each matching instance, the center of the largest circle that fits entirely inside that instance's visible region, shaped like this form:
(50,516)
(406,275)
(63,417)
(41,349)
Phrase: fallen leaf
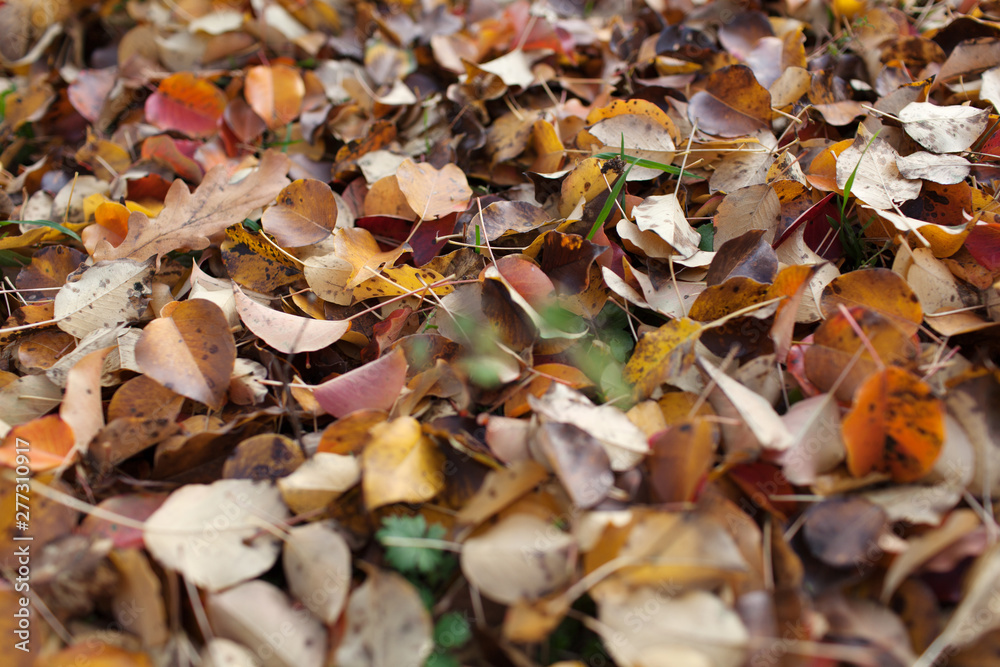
(247,614)
(275,93)
(317,564)
(188,219)
(104,294)
(187,104)
(732,103)
(387,624)
(216,535)
(943,129)
(877,181)
(285,332)
(400,464)
(521,558)
(896,425)
(433,193)
(306,213)
(190,351)
(375,385)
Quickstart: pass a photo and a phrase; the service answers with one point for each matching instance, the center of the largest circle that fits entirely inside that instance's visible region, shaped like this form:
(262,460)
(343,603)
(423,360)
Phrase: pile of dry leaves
(499,333)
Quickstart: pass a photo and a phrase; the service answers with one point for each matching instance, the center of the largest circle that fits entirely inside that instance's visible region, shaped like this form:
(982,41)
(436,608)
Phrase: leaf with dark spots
(567,258)
(195,365)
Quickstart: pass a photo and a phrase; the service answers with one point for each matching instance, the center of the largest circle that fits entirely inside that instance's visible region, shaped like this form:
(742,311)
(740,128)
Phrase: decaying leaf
(104,294)
(896,425)
(521,558)
(190,351)
(188,219)
(217,535)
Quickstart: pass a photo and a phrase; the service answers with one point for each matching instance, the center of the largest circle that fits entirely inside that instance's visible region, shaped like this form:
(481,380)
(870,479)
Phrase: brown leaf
(732,103)
(188,219)
(190,351)
(306,213)
(433,193)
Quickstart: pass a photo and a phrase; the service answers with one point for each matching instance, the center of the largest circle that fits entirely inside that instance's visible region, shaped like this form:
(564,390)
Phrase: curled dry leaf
(219,534)
(285,332)
(190,351)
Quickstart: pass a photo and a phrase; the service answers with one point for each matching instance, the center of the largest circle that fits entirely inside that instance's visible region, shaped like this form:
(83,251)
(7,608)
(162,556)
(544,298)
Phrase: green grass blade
(650,164)
(612,198)
(44,223)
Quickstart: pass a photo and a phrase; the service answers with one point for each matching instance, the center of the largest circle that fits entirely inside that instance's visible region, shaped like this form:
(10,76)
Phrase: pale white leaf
(286,332)
(259,615)
(753,412)
(944,169)
(663,215)
(387,624)
(520,559)
(217,535)
(317,564)
(107,293)
(943,129)
(877,182)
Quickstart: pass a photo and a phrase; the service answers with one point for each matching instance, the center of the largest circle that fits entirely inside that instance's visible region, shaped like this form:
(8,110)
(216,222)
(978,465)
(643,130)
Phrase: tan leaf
(188,219)
(387,624)
(521,558)
(105,294)
(190,351)
(215,535)
(285,332)
(433,193)
(255,613)
(306,213)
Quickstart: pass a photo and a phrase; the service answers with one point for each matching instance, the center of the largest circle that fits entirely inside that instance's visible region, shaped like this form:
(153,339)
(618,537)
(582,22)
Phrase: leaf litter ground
(341,333)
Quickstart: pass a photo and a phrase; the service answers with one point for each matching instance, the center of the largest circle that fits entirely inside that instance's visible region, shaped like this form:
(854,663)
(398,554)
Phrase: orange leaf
(187,104)
(732,103)
(275,94)
(191,352)
(896,426)
(40,444)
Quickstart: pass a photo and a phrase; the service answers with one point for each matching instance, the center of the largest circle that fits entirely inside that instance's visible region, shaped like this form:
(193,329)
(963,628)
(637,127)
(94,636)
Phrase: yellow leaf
(662,354)
(400,464)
